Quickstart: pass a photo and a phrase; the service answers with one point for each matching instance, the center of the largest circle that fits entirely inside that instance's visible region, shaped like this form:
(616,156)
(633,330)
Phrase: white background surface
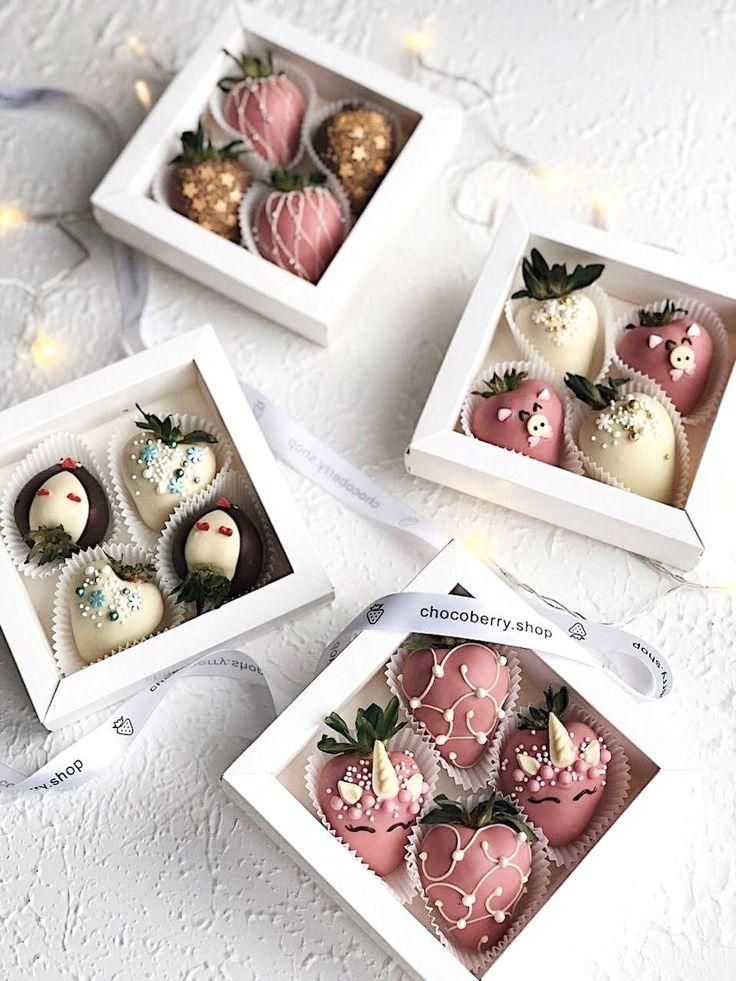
(151,873)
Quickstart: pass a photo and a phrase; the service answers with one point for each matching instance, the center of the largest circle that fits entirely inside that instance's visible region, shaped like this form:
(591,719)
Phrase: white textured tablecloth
(151,873)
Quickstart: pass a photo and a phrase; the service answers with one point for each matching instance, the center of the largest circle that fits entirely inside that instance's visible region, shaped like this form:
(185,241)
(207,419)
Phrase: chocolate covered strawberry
(474,867)
(370,795)
(521,414)
(218,555)
(668,346)
(61,510)
(555,768)
(299,226)
(456,691)
(558,320)
(631,437)
(266,107)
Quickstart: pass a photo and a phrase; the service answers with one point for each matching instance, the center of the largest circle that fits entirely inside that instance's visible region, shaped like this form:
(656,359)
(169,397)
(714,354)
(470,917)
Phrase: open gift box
(190,374)
(269,780)
(124,205)
(634,275)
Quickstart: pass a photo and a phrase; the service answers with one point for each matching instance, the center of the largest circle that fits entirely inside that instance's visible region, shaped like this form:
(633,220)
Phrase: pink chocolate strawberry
(521,414)
(266,108)
(671,348)
(371,797)
(557,772)
(474,866)
(300,225)
(456,691)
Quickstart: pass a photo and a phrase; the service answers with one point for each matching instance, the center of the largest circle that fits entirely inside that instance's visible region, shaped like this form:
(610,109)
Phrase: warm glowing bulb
(46,350)
(137,46)
(10,217)
(143,93)
(554,179)
(605,199)
(418,42)
(479,546)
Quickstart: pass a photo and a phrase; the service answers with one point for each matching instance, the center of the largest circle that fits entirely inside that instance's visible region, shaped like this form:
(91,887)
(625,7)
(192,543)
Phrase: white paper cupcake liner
(604,347)
(233,486)
(258,165)
(67,657)
(399,882)
(577,412)
(482,774)
(137,528)
(720,364)
(535,369)
(530,901)
(53,449)
(319,114)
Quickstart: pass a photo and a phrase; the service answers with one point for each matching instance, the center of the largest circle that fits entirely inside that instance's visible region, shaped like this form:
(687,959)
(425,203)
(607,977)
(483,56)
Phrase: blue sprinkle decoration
(176,485)
(79,590)
(148,454)
(194,454)
(97,598)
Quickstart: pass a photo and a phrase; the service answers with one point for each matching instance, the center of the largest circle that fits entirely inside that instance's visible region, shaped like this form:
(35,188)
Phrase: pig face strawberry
(370,796)
(299,226)
(521,414)
(556,770)
(266,108)
(473,867)
(631,437)
(456,692)
(668,346)
(61,510)
(559,321)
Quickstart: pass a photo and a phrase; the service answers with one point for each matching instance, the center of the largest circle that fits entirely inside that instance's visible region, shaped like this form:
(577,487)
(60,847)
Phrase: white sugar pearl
(481,692)
(481,738)
(461,924)
(415,703)
(468,900)
(441,740)
(448,715)
(457,856)
(438,671)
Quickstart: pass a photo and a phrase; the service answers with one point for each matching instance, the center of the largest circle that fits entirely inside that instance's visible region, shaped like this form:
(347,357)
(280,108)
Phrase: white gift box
(268,780)
(124,207)
(190,374)
(634,274)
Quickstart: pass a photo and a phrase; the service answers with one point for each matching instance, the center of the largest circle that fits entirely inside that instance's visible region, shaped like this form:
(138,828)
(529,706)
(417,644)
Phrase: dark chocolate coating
(250,559)
(99,509)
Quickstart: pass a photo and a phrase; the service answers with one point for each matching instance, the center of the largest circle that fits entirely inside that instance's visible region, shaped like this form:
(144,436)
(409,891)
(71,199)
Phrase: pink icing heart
(676,374)
(534,440)
(503,414)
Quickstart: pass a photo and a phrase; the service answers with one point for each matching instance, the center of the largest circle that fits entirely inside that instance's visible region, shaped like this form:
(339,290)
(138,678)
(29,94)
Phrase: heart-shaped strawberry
(631,437)
(521,414)
(266,108)
(456,691)
(559,321)
(473,867)
(556,770)
(112,604)
(299,226)
(671,348)
(370,796)
(162,466)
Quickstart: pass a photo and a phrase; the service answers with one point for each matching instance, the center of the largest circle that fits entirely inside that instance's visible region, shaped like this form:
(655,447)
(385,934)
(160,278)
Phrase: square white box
(268,779)
(123,206)
(634,273)
(191,374)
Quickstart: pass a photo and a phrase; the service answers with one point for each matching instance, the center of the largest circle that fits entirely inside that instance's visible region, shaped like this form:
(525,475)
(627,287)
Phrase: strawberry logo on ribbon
(374,613)
(123,726)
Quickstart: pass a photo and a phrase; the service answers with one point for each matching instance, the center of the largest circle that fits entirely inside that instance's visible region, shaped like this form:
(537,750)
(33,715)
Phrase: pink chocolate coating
(269,113)
(381,831)
(460,693)
(458,863)
(676,356)
(528,419)
(562,808)
(300,230)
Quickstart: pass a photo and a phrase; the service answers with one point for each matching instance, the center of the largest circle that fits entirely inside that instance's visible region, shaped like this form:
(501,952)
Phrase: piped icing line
(49,452)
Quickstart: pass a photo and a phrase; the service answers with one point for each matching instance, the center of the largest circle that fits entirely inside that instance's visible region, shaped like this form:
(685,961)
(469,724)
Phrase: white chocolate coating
(563,331)
(149,471)
(56,507)
(138,606)
(211,547)
(634,440)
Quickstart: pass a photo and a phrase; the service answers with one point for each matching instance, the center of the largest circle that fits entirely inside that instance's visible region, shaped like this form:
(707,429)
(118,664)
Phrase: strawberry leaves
(543,282)
(660,318)
(49,544)
(196,147)
(494,810)
(139,572)
(596,396)
(372,725)
(206,588)
(168,432)
(285,180)
(537,717)
(248,67)
(500,384)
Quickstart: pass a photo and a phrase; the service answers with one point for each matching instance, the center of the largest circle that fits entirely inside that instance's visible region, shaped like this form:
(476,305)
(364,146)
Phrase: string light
(46,350)
(143,93)
(137,46)
(11,217)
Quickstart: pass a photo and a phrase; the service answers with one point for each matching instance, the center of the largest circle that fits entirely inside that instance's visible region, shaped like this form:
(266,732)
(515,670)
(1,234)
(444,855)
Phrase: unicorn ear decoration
(384,781)
(561,750)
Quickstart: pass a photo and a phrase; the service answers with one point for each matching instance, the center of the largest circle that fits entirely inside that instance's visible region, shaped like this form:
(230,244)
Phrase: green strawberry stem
(418,642)
(249,67)
(545,283)
(494,810)
(596,396)
(196,147)
(659,318)
(500,384)
(372,725)
(284,180)
(537,717)
(205,587)
(167,432)
(49,545)
(137,572)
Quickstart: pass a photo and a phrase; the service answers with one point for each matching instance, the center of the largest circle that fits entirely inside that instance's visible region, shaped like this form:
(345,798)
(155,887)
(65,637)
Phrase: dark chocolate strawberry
(473,867)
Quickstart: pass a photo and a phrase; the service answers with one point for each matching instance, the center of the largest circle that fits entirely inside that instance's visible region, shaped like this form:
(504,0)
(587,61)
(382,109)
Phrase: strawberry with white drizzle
(555,769)
(369,795)
(474,867)
(521,414)
(456,691)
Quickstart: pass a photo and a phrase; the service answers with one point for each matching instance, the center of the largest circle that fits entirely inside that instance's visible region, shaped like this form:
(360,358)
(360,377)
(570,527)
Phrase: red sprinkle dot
(69,464)
(202,526)
(74,497)
(227,532)
(43,492)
